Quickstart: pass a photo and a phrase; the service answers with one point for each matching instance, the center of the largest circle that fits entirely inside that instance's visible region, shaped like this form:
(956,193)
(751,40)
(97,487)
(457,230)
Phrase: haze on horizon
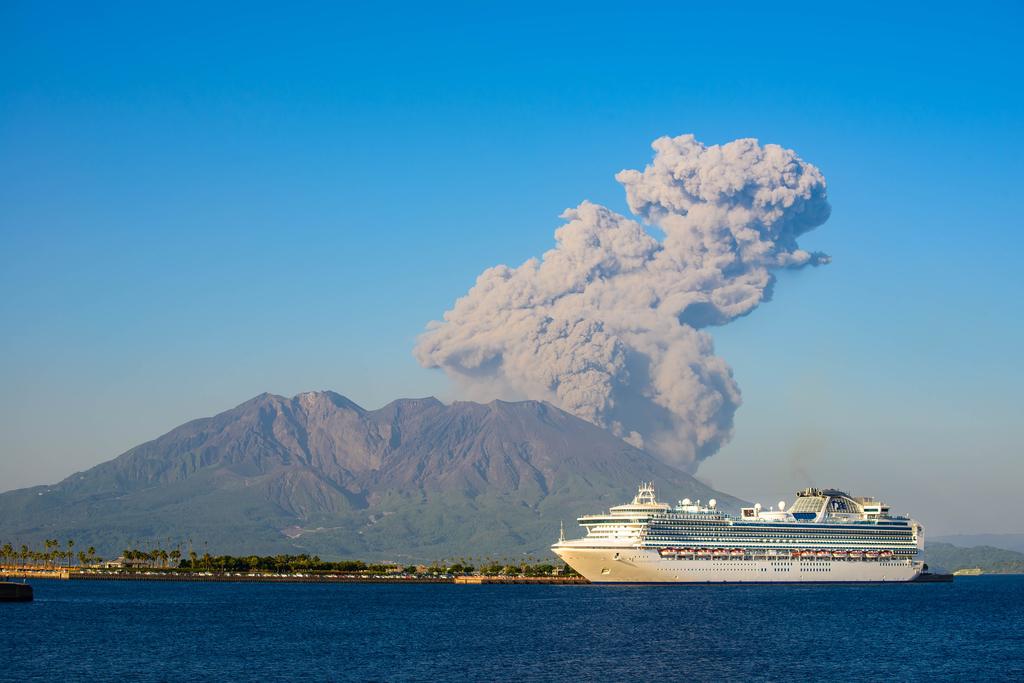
(198,206)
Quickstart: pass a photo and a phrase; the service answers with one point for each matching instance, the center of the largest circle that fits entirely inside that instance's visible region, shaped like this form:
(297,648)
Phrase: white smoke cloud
(607,324)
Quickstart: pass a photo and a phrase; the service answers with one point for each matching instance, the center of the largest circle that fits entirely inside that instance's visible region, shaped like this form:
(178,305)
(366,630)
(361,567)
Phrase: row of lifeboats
(703,552)
(721,553)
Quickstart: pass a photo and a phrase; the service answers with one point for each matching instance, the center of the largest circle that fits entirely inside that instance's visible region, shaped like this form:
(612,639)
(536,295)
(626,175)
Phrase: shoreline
(287,578)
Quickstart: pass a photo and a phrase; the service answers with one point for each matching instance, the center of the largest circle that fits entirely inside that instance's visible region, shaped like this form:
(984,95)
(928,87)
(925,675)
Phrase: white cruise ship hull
(646,565)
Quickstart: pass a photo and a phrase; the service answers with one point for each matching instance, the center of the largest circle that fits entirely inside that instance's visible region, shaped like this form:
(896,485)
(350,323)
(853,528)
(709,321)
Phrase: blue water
(141,631)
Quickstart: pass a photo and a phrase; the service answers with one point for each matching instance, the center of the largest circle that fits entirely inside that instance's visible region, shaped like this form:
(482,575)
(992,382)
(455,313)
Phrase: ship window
(811,504)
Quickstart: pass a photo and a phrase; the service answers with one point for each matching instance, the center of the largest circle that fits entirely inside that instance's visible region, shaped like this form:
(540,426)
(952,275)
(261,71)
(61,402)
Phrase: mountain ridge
(414,479)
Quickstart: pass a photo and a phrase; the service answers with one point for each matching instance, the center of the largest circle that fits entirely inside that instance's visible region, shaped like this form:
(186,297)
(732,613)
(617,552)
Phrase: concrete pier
(478,580)
(15,592)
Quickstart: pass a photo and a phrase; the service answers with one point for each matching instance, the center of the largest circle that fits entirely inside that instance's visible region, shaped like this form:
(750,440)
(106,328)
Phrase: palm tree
(71,544)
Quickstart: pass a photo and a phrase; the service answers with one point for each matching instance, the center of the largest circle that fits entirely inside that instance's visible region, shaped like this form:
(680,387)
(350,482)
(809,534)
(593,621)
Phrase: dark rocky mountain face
(414,480)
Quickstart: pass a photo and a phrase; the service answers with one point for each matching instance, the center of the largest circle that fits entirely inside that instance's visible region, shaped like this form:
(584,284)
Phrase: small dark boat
(15,592)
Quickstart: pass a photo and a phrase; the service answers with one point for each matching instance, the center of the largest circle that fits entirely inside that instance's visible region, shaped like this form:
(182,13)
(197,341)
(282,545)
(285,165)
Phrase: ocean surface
(148,631)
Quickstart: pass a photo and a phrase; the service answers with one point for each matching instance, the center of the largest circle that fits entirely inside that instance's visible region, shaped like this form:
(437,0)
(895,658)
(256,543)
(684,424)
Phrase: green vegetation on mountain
(1013,542)
(949,558)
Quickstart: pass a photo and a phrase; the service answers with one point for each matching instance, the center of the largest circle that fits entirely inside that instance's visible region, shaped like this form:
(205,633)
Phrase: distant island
(947,557)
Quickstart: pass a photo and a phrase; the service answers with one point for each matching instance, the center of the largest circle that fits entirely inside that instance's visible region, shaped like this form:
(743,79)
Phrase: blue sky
(201,204)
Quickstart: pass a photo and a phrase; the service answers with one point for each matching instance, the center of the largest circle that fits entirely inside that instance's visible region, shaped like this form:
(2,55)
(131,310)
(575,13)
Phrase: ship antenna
(561,532)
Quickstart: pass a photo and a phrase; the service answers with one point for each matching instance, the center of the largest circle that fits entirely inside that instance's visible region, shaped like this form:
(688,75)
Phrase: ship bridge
(644,502)
(625,523)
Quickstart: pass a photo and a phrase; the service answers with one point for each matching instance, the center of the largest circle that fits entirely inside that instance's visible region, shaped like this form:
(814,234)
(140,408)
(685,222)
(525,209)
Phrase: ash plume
(609,324)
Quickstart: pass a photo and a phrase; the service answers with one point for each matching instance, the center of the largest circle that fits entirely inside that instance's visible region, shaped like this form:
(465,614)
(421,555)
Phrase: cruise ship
(825,536)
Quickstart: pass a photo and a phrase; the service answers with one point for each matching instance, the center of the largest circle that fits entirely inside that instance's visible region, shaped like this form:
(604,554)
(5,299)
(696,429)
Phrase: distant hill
(948,557)
(414,480)
(1013,542)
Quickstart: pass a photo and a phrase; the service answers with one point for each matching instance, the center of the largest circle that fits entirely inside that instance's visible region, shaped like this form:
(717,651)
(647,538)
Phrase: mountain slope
(1014,542)
(948,557)
(416,479)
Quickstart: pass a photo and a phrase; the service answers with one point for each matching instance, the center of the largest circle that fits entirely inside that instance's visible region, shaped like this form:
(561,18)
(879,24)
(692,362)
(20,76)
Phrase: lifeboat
(807,553)
(871,554)
(720,552)
(856,554)
(703,552)
(886,553)
(822,553)
(667,552)
(795,554)
(736,552)
(839,553)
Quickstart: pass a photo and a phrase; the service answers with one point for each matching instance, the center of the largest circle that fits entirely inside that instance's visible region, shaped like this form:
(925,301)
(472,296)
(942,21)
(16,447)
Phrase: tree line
(284,564)
(53,555)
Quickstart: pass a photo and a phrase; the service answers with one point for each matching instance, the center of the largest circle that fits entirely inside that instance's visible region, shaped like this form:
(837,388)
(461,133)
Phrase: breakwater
(203,577)
(245,578)
(34,573)
(478,580)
